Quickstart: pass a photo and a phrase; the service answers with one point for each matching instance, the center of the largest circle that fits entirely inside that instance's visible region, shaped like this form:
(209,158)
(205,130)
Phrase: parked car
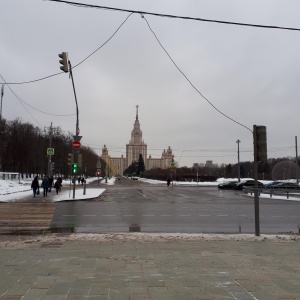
(248,183)
(229,185)
(286,185)
(272,184)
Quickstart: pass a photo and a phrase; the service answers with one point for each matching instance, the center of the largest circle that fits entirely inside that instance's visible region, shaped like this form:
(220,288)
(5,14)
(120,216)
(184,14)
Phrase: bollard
(271,192)
(287,195)
(240,229)
(84,187)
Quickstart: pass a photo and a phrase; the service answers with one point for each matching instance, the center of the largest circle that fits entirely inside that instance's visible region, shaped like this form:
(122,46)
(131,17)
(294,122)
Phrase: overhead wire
(46,77)
(175,16)
(193,86)
(22,101)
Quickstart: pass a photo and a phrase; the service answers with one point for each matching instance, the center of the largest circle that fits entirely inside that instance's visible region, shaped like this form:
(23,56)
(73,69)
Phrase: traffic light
(52,166)
(70,159)
(98,174)
(64,62)
(260,142)
(79,160)
(74,168)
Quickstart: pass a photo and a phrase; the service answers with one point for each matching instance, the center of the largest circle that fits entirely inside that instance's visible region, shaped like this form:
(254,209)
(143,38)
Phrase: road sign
(172,165)
(98,164)
(76,145)
(50,151)
(77,137)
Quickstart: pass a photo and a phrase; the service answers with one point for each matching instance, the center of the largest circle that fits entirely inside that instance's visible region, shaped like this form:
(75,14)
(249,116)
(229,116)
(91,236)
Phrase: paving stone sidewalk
(59,268)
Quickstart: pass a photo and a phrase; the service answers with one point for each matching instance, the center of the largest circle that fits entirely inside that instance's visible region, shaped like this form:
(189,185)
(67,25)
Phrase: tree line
(203,172)
(23,149)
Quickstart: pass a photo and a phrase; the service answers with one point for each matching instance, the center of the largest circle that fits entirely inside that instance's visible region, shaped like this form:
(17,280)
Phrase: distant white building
(134,148)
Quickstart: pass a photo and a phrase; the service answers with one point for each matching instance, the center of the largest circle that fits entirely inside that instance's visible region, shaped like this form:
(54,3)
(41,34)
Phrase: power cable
(22,101)
(193,86)
(174,16)
(46,77)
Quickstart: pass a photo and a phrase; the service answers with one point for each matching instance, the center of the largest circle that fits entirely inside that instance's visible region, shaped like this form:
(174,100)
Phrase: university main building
(134,148)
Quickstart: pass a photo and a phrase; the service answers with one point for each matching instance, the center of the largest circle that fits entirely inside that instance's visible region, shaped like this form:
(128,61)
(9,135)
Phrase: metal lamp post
(239,175)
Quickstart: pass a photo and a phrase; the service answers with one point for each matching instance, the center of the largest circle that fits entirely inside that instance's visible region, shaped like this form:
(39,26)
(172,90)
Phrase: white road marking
(108,215)
(184,215)
(204,215)
(222,215)
(166,215)
(184,196)
(89,215)
(128,215)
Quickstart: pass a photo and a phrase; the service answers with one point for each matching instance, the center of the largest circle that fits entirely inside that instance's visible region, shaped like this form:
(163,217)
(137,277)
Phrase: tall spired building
(134,148)
(136,144)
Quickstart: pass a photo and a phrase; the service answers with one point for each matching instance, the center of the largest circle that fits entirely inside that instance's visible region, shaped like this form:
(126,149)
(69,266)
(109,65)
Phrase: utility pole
(66,67)
(76,137)
(50,150)
(2,93)
(260,154)
(297,166)
(239,174)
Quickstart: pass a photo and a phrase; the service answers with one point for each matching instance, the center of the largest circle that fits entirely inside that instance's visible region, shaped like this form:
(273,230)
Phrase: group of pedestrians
(47,184)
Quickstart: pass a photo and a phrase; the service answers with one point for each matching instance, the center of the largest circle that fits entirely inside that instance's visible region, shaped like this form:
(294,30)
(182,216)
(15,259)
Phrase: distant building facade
(134,148)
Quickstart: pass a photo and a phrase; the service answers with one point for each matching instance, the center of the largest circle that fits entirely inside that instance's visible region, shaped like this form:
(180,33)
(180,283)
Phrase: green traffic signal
(74,168)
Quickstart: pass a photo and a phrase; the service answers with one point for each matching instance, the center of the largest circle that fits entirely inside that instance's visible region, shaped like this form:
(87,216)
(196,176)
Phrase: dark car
(272,184)
(248,183)
(286,185)
(230,185)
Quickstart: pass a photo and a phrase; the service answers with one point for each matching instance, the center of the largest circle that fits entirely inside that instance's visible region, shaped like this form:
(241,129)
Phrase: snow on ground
(11,190)
(36,241)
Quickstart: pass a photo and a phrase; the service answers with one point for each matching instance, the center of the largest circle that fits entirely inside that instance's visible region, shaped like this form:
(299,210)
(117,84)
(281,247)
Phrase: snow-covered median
(36,241)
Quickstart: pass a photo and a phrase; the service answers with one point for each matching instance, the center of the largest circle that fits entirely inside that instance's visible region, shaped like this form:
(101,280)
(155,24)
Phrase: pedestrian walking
(59,179)
(50,183)
(168,182)
(35,186)
(45,185)
(82,180)
(57,186)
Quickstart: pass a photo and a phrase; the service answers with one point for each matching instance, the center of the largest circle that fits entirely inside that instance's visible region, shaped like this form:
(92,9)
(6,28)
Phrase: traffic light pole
(256,198)
(77,126)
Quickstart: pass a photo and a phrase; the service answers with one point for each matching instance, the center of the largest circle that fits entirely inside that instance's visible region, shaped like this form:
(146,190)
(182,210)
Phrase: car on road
(272,184)
(229,185)
(248,183)
(286,185)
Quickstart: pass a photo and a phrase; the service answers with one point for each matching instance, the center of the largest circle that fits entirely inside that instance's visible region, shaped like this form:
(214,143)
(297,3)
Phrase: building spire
(137,113)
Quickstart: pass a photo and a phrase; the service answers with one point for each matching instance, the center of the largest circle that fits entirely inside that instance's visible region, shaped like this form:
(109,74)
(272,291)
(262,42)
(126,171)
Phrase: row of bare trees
(214,171)
(23,149)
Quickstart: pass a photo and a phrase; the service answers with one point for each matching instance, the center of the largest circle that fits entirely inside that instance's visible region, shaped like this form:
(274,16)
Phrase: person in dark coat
(57,186)
(35,186)
(59,179)
(45,185)
(168,182)
(82,180)
(50,183)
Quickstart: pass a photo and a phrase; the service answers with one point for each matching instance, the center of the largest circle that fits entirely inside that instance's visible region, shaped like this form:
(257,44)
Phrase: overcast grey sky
(250,74)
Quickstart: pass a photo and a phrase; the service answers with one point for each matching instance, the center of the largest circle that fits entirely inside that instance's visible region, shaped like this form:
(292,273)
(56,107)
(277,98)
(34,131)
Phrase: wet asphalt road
(135,206)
